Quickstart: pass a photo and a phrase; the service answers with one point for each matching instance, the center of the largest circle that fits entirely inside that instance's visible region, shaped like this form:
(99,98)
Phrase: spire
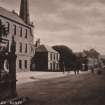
(24,11)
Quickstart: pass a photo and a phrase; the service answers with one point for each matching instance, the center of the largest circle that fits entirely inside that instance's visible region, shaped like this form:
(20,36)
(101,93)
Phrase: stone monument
(7,69)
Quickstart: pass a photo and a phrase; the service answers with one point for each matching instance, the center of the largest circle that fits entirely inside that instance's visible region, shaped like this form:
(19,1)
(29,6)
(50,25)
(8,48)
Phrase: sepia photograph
(52,52)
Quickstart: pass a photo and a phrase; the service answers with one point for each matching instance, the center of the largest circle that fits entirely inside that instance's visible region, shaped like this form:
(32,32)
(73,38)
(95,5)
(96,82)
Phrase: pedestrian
(75,70)
(92,69)
(78,71)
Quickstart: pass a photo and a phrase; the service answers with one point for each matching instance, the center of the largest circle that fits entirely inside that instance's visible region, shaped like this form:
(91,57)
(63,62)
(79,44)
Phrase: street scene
(52,52)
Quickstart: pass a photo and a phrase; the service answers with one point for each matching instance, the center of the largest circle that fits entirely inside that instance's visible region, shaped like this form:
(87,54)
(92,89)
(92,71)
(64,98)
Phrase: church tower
(24,11)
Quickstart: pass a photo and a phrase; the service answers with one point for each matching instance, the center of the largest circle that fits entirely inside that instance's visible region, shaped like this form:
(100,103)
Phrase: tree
(92,53)
(93,58)
(67,57)
(81,60)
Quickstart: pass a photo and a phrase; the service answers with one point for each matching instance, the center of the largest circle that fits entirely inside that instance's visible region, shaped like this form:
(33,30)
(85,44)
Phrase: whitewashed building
(46,59)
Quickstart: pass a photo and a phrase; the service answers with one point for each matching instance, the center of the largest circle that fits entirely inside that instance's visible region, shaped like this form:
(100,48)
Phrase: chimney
(24,11)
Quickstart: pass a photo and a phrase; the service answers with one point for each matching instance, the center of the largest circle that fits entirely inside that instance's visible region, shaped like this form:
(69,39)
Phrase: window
(8,26)
(51,66)
(26,48)
(20,64)
(57,66)
(25,64)
(54,65)
(54,56)
(57,57)
(26,34)
(21,47)
(14,29)
(51,56)
(20,31)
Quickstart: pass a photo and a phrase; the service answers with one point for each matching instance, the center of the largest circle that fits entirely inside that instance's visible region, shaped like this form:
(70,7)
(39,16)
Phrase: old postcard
(52,52)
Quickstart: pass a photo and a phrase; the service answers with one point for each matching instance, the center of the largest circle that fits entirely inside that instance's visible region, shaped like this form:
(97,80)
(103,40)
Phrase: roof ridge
(44,48)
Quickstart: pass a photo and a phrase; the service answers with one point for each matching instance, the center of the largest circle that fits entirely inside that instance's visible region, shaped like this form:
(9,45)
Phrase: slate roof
(45,48)
(11,16)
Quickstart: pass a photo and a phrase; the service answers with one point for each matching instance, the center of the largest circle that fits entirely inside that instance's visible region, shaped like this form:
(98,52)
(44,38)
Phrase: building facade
(46,59)
(20,27)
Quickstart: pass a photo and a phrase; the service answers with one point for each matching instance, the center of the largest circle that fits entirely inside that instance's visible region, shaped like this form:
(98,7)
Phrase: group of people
(84,67)
(76,68)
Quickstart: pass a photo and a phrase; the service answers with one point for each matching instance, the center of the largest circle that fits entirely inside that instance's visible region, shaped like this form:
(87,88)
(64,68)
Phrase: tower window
(20,47)
(20,64)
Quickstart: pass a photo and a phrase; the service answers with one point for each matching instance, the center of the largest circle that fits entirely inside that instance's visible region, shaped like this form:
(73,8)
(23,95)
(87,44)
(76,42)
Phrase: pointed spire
(24,11)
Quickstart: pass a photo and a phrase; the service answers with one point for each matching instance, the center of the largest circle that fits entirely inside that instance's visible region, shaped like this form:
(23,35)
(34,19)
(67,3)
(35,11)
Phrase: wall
(53,61)
(41,61)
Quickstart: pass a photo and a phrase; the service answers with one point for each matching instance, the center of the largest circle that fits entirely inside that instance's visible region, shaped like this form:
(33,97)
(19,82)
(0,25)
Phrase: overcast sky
(79,24)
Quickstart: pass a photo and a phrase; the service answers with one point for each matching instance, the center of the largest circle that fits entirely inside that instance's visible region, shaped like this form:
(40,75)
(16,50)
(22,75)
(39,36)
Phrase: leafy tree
(67,57)
(81,59)
(92,53)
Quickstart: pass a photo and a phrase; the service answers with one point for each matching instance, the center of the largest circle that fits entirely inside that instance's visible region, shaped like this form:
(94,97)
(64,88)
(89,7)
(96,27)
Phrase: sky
(78,24)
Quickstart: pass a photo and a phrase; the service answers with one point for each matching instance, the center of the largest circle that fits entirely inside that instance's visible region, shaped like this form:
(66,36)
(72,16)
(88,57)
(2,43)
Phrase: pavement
(25,77)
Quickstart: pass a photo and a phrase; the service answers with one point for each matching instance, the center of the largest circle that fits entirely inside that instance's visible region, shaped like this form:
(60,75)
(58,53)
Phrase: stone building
(21,28)
(46,59)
